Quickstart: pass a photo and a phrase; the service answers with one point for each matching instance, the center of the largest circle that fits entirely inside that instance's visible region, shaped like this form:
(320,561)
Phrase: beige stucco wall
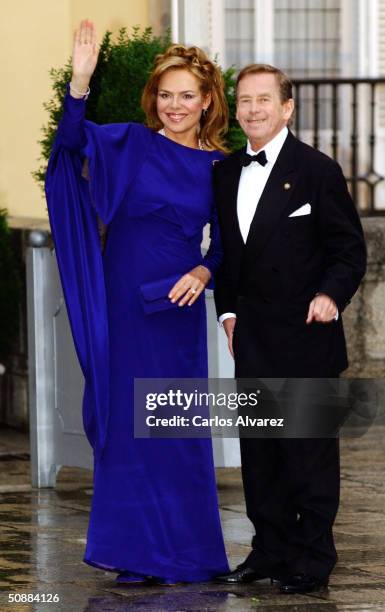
(36,35)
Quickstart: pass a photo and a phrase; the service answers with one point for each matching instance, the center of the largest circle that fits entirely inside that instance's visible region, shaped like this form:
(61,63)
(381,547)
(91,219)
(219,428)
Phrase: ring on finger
(193,290)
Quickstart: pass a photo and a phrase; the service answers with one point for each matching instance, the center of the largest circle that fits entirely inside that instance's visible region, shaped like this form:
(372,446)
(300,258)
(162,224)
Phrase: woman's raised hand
(84,56)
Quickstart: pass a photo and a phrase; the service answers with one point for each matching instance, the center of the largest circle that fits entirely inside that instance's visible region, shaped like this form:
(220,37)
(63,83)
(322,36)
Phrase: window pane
(281,4)
(280,53)
(306,37)
(239,52)
(280,24)
(239,32)
(298,25)
(239,5)
(316,25)
(332,26)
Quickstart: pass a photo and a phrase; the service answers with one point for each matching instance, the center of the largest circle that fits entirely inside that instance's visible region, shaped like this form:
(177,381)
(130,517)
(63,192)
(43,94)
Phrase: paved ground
(42,535)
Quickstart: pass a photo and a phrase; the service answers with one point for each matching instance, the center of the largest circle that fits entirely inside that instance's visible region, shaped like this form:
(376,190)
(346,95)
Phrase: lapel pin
(287,186)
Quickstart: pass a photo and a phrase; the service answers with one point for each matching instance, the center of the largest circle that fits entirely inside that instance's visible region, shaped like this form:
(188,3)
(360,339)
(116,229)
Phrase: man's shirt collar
(272,148)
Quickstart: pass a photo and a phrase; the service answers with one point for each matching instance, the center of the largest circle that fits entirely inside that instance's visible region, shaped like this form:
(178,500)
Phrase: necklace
(200,145)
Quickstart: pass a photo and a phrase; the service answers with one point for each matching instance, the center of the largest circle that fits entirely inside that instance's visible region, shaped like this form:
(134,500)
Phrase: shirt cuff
(226,315)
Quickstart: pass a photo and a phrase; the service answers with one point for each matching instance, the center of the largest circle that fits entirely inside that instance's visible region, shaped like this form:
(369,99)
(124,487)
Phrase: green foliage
(10,289)
(117,84)
(130,62)
(235,137)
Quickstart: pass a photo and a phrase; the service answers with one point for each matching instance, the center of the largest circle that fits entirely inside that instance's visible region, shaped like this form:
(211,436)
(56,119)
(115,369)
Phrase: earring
(204,113)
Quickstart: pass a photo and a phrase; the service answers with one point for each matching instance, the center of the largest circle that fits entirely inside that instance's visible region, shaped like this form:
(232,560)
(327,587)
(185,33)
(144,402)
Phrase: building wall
(34,37)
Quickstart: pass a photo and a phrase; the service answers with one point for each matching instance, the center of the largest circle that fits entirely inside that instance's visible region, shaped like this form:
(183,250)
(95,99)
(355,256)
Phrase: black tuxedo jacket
(286,260)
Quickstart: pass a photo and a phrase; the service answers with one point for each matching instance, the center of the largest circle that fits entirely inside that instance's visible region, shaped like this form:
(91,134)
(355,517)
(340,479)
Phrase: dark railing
(340,117)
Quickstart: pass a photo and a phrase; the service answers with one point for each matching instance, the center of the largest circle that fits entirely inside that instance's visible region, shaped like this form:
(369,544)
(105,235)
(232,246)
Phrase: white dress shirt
(253,180)
(251,185)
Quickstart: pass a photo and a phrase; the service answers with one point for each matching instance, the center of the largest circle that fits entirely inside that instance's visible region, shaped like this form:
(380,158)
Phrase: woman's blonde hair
(214,123)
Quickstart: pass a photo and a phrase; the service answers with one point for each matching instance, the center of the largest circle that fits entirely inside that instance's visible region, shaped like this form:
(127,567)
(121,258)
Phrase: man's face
(260,112)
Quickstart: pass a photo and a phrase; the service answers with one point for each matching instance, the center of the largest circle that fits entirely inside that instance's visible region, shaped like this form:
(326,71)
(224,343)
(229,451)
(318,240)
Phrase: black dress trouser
(291,488)
(292,494)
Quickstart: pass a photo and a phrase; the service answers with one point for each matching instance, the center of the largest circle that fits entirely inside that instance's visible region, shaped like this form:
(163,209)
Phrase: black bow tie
(261,158)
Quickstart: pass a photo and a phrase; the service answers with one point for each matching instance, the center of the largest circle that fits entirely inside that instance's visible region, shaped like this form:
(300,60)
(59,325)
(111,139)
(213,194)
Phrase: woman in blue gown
(154,510)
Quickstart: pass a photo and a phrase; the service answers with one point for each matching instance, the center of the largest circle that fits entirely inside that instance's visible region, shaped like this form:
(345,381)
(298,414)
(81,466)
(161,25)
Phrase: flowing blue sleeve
(214,255)
(115,154)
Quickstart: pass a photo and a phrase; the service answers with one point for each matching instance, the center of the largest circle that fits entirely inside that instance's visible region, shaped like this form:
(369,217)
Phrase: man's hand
(322,309)
(229,325)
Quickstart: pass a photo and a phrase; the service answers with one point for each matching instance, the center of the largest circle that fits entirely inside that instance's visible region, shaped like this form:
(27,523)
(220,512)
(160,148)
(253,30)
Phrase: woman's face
(179,102)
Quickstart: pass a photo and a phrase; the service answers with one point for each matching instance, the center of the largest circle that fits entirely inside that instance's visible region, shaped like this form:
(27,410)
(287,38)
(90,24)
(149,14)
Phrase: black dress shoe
(302,583)
(241,575)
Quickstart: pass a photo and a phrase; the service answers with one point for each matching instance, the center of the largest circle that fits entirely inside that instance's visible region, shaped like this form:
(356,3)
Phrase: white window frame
(354,20)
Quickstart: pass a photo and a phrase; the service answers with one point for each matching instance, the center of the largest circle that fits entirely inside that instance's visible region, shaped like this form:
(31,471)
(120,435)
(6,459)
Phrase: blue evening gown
(154,509)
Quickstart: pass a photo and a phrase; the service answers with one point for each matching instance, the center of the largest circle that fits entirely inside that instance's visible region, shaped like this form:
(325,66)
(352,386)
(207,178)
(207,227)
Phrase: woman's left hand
(190,286)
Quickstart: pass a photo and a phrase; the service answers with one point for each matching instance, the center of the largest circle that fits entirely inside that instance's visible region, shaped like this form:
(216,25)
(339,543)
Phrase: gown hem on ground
(182,577)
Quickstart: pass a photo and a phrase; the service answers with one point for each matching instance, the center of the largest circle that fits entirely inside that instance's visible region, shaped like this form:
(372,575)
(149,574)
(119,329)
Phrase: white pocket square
(303,210)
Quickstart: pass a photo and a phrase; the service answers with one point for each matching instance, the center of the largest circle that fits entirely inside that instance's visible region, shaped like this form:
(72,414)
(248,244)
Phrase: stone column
(364,318)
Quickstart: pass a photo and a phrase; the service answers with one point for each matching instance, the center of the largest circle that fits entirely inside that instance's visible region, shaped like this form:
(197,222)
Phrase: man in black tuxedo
(294,255)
